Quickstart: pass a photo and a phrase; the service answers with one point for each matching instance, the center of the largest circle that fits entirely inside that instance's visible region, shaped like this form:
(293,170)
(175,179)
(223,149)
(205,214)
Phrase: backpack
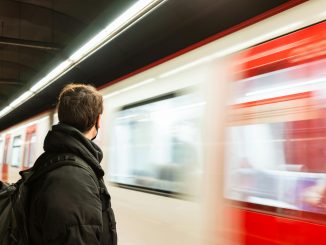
(13,198)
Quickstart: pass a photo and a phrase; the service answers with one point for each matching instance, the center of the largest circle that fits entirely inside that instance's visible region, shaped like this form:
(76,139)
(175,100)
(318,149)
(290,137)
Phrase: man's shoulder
(65,167)
(65,195)
(66,183)
(49,162)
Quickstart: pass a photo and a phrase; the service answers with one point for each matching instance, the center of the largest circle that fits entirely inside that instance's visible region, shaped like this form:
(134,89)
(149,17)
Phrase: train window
(156,143)
(1,151)
(30,149)
(276,144)
(16,151)
(56,119)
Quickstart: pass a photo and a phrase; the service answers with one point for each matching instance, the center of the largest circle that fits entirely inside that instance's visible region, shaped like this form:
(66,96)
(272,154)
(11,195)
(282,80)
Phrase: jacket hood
(64,138)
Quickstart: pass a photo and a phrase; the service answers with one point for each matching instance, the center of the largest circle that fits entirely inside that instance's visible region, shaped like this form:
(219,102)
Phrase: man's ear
(98,122)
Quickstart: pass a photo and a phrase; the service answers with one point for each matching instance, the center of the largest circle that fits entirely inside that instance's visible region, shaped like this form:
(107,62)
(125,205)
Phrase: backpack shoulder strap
(60,160)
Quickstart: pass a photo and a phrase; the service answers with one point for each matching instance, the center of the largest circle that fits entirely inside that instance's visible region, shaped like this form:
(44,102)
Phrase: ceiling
(35,35)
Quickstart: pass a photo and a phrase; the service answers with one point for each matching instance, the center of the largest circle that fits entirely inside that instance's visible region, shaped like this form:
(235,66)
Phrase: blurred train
(225,144)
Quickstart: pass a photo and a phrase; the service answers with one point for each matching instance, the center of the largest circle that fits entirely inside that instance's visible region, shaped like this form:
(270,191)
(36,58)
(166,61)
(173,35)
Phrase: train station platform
(209,125)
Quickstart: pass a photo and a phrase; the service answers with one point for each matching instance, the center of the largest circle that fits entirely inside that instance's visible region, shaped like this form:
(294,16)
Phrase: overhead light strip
(112,30)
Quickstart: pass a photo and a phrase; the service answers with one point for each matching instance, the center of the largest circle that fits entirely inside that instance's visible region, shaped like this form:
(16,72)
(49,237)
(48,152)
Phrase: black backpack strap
(57,161)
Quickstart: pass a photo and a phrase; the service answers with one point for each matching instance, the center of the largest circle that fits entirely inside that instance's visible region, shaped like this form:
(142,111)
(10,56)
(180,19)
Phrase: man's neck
(90,134)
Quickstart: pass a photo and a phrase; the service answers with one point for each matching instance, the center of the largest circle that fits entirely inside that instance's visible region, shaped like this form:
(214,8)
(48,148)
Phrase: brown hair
(79,106)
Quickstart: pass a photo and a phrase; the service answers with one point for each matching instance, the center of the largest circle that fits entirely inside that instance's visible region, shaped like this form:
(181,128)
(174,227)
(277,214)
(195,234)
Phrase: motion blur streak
(223,151)
(220,220)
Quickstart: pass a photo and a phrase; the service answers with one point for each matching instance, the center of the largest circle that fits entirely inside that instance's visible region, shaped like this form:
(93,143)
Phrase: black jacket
(66,206)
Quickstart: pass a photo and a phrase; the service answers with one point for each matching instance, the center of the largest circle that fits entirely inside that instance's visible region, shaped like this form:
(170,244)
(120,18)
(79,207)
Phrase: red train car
(276,157)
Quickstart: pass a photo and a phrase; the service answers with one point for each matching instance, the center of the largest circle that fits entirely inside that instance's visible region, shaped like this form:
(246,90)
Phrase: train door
(4,159)
(16,158)
(30,147)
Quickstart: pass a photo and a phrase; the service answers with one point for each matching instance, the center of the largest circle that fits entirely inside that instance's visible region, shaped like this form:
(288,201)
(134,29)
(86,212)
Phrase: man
(67,207)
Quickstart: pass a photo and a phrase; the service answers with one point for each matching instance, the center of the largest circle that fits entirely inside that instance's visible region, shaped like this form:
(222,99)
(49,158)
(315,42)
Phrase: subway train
(223,143)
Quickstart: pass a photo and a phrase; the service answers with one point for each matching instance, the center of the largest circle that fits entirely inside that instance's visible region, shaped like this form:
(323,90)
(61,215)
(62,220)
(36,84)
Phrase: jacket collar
(64,138)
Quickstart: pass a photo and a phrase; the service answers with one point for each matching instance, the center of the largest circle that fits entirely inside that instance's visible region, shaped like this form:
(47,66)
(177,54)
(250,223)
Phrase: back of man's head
(79,106)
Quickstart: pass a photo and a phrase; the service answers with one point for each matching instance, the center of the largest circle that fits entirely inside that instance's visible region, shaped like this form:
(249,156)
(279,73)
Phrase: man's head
(80,106)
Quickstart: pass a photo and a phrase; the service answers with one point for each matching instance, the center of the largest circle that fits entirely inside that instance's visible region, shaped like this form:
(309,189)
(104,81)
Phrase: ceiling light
(52,76)
(5,110)
(114,28)
(25,96)
(129,17)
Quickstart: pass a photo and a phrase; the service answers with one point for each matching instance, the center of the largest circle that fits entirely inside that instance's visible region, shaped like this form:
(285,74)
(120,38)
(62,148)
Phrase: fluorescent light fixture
(21,99)
(25,96)
(57,72)
(130,87)
(5,110)
(114,28)
(129,17)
